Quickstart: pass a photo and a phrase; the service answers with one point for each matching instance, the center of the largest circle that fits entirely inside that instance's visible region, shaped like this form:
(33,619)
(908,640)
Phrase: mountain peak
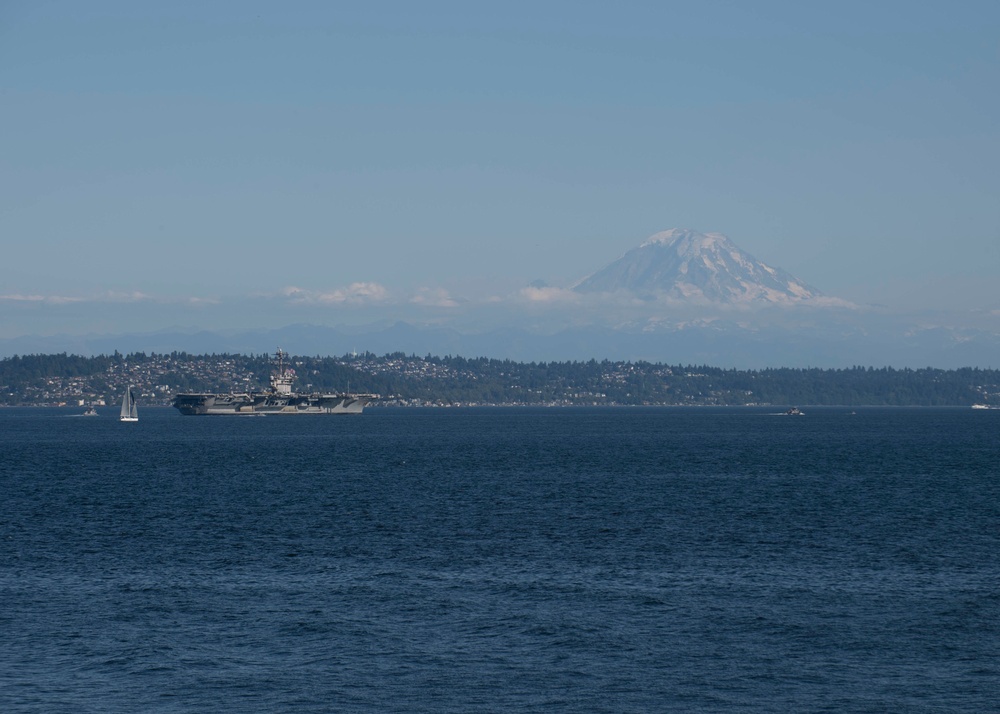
(684,238)
(701,267)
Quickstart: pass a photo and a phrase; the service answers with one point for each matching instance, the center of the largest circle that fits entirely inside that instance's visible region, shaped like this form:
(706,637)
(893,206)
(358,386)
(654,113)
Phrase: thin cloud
(433,297)
(49,299)
(133,296)
(110,296)
(548,295)
(353,294)
(199,301)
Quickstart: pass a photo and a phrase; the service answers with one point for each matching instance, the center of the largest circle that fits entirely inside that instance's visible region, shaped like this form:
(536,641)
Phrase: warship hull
(269,403)
(279,399)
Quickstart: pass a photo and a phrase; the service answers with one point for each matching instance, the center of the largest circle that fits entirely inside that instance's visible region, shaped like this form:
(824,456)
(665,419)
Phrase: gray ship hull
(269,403)
(279,399)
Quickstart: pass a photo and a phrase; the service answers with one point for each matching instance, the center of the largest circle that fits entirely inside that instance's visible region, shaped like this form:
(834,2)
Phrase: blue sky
(378,159)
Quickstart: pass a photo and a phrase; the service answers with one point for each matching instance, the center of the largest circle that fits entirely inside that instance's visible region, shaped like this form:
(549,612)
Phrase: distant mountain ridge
(697,267)
(717,343)
(679,297)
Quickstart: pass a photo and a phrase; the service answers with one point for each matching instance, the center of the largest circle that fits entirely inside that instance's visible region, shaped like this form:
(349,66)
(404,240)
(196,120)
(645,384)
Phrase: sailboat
(129,412)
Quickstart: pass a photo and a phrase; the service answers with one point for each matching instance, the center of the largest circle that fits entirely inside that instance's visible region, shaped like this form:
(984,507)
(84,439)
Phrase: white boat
(129,412)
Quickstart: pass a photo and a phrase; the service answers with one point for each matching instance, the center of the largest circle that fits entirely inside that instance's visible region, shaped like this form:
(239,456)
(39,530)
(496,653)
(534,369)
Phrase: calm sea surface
(464,560)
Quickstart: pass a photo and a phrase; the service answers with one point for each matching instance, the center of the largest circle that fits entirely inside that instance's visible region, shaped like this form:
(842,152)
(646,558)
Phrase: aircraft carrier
(279,399)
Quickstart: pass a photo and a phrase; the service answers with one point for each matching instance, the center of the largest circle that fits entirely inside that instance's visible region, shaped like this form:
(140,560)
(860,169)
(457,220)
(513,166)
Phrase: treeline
(462,380)
(66,378)
(409,379)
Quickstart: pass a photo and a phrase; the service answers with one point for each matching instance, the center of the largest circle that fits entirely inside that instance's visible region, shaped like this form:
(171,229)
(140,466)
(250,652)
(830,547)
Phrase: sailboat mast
(129,411)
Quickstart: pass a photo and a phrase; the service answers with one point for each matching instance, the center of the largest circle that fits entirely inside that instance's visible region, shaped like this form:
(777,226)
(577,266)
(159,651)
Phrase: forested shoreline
(407,380)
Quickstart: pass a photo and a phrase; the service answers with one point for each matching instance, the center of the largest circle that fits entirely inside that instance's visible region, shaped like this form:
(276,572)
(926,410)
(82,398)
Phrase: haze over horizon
(240,165)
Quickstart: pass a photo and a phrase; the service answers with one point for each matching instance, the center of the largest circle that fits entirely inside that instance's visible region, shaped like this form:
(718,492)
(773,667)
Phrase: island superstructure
(279,399)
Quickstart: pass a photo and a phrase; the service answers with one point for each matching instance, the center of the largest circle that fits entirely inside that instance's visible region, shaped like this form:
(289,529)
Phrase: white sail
(129,412)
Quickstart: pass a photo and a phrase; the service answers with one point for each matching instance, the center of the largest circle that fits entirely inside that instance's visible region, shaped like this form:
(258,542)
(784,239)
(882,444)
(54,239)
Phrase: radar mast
(281,382)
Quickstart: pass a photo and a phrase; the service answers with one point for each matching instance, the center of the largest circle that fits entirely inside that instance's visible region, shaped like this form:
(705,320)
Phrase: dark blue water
(463,560)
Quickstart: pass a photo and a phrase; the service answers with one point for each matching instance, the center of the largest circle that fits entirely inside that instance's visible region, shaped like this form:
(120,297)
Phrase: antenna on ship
(281,383)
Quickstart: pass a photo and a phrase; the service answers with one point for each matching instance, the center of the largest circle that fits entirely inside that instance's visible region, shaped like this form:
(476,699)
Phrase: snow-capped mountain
(699,267)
